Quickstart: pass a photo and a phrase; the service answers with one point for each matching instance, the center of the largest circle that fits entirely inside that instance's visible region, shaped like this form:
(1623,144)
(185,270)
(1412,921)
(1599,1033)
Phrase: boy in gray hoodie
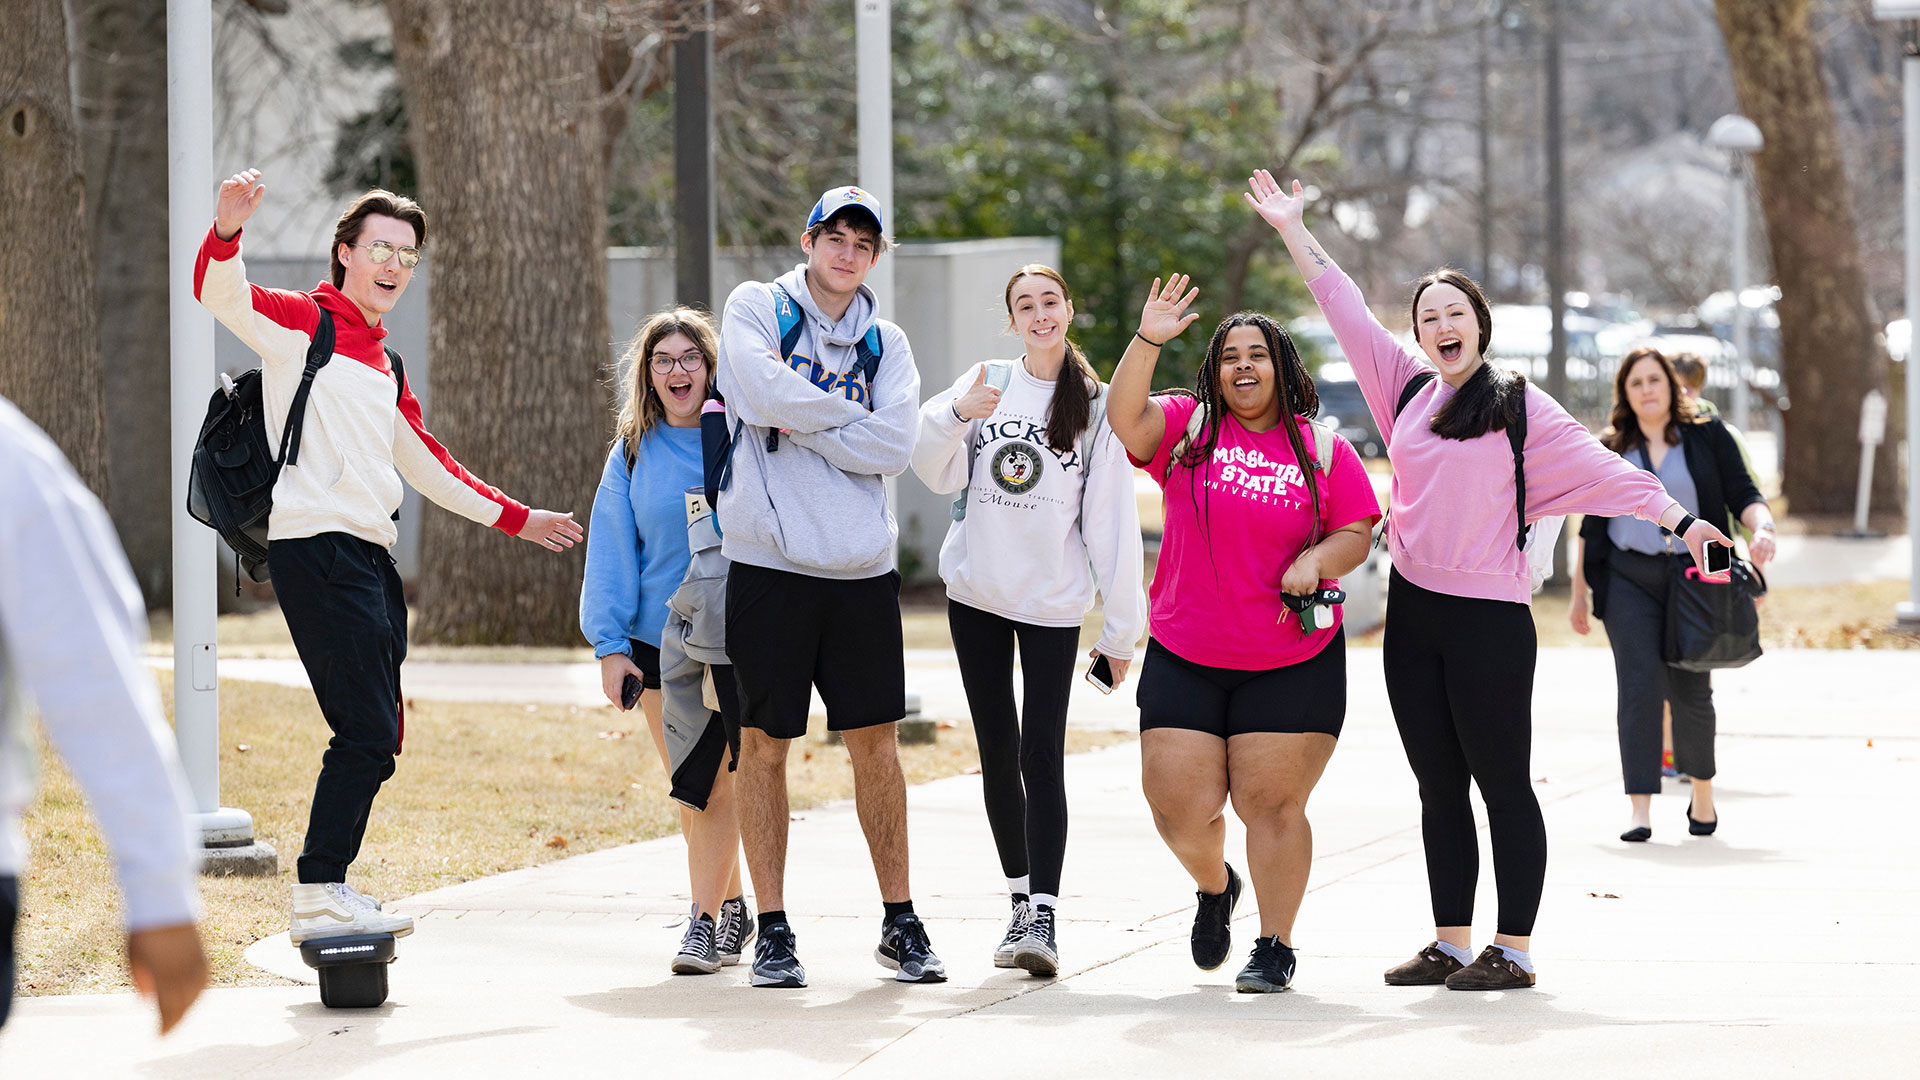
(828,401)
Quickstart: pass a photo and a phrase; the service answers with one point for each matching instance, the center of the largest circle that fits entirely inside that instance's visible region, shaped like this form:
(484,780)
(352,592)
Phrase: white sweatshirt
(1037,520)
(71,630)
(360,428)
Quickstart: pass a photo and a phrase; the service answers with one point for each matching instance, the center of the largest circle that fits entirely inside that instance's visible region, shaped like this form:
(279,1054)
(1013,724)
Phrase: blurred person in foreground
(1623,571)
(71,630)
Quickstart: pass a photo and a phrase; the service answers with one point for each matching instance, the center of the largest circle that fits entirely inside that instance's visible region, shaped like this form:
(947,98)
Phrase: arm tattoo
(1319,258)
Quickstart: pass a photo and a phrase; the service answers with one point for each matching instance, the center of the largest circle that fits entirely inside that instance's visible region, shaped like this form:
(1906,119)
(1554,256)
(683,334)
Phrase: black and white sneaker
(774,961)
(1016,929)
(698,955)
(904,948)
(1269,970)
(1038,951)
(1212,930)
(733,931)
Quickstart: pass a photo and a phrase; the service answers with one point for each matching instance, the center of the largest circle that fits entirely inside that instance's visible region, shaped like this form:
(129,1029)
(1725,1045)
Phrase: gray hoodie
(818,504)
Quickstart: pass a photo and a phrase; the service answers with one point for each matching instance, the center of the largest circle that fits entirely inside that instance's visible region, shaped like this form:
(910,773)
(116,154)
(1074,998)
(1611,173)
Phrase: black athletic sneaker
(733,931)
(1268,970)
(904,948)
(774,961)
(1038,951)
(1212,932)
(697,956)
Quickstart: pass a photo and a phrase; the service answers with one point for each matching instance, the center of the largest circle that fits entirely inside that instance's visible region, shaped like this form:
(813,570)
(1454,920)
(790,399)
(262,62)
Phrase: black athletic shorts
(790,633)
(9,912)
(647,658)
(1308,696)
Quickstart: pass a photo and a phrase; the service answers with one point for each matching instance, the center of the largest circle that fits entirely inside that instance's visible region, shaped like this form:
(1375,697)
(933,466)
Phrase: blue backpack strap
(867,353)
(788,313)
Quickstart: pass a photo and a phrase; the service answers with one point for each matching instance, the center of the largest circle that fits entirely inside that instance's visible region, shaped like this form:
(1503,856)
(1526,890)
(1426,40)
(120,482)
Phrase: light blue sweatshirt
(818,504)
(637,539)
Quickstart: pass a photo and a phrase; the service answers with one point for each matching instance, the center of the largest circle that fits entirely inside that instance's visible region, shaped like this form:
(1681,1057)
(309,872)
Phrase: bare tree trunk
(1829,355)
(507,115)
(49,348)
(120,81)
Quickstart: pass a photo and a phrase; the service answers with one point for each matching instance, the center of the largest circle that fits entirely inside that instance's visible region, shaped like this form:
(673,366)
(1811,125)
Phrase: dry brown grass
(481,789)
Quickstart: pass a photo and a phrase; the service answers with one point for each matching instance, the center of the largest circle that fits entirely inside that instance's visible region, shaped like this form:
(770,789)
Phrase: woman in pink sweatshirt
(1459,647)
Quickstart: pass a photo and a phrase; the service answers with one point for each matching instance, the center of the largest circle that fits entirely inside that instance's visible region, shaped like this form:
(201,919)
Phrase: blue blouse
(637,539)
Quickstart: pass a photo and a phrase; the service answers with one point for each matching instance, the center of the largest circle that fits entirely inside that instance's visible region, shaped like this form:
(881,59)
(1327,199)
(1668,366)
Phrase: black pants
(1022,757)
(9,914)
(1636,620)
(341,596)
(1460,677)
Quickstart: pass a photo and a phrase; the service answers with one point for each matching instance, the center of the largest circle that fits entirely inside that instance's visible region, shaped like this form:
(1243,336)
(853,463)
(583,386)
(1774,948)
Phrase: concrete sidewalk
(1784,944)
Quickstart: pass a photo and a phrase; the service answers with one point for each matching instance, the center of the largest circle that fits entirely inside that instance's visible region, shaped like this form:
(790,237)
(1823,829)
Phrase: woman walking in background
(1238,699)
(1626,566)
(636,557)
(1459,648)
(1045,514)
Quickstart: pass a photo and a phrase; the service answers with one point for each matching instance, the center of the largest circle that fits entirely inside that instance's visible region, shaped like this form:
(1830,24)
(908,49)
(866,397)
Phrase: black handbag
(1712,624)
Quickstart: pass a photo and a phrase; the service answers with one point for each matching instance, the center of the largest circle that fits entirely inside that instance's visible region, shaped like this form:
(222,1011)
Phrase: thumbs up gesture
(979,401)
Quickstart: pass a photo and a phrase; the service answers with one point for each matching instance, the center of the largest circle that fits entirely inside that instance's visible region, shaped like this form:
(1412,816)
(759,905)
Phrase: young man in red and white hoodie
(333,511)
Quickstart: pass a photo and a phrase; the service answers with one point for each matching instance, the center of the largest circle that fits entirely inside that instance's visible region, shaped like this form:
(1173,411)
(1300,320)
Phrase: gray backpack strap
(1196,423)
(1096,419)
(1322,446)
(999,374)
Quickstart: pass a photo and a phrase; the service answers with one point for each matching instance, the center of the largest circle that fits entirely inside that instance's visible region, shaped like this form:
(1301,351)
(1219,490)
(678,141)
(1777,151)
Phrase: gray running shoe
(904,948)
(698,955)
(734,930)
(774,961)
(1016,929)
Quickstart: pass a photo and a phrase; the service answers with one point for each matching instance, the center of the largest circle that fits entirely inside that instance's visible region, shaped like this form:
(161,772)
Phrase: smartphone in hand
(1100,674)
(629,692)
(1719,560)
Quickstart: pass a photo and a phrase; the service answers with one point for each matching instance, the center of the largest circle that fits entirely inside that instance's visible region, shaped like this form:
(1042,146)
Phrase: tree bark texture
(507,113)
(120,80)
(1829,353)
(49,345)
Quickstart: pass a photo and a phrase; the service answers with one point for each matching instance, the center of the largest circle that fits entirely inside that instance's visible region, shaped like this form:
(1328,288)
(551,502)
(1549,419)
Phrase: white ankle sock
(1518,956)
(1018,885)
(1455,951)
(1041,899)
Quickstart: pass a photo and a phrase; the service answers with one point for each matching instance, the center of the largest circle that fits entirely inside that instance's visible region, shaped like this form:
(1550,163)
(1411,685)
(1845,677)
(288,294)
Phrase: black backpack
(234,469)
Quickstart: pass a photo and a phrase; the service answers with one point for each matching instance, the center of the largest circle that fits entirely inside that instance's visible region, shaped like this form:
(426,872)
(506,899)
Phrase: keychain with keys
(1316,608)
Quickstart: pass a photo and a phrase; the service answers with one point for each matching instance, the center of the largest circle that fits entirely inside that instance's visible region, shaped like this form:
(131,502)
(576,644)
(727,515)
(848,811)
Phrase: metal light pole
(1740,137)
(226,832)
(873,59)
(1907,11)
(693,187)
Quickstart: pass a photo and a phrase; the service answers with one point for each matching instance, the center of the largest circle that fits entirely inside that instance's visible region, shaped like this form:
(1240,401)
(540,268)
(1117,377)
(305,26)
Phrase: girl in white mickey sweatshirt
(1044,514)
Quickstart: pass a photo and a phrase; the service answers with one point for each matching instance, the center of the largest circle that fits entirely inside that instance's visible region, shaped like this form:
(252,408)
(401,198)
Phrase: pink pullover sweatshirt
(1451,505)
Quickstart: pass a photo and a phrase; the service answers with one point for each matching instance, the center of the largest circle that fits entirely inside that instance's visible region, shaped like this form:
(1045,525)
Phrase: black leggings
(1460,677)
(1022,764)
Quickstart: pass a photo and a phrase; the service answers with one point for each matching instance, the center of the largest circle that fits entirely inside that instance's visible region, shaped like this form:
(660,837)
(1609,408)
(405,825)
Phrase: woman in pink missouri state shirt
(1459,647)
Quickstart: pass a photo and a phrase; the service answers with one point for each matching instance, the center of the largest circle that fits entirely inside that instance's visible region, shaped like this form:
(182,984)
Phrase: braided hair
(1298,398)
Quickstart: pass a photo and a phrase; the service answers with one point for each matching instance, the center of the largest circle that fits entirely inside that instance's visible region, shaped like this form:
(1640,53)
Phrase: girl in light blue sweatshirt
(636,557)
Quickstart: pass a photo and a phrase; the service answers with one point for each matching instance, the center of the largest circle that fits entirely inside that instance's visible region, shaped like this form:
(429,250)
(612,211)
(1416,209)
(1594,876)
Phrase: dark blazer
(1726,490)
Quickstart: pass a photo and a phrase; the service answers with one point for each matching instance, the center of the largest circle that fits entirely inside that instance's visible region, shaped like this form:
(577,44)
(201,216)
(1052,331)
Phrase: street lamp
(1739,137)
(1907,11)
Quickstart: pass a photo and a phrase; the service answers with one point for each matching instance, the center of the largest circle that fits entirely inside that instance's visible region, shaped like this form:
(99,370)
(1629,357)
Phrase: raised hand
(979,401)
(240,196)
(1278,208)
(551,530)
(1165,314)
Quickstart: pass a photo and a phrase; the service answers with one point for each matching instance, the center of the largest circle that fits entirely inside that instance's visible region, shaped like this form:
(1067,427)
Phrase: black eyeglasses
(380,251)
(687,361)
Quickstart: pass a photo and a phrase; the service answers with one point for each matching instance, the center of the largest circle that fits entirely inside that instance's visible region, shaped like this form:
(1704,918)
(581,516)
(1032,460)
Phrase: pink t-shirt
(1233,526)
